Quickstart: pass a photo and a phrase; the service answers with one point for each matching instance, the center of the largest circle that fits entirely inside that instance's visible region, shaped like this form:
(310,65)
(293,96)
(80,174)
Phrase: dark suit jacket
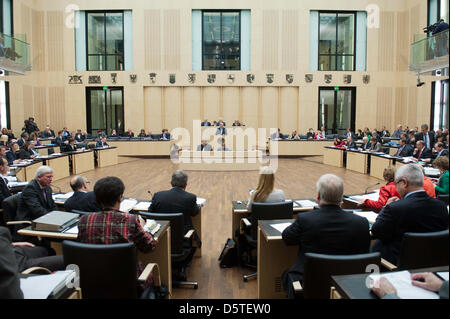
(419,136)
(328,230)
(176,200)
(206,123)
(100,144)
(59,140)
(84,202)
(9,270)
(352,145)
(4,190)
(24,154)
(69,148)
(20,142)
(10,157)
(44,134)
(418,213)
(426,153)
(407,151)
(79,137)
(444,153)
(221,131)
(33,205)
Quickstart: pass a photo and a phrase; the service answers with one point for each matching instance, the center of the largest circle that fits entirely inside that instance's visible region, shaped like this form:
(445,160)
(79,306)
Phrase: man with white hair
(37,198)
(328,230)
(415,212)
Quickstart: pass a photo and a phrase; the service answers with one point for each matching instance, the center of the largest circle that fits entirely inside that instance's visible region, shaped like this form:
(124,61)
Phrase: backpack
(228,256)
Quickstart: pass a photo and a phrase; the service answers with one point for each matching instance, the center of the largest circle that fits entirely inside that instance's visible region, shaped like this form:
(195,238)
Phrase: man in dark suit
(177,200)
(204,146)
(23,139)
(4,190)
(9,270)
(221,130)
(415,212)
(440,150)
(405,149)
(102,142)
(366,144)
(37,196)
(328,230)
(79,137)
(165,135)
(82,199)
(421,152)
(350,144)
(349,133)
(206,123)
(60,139)
(426,136)
(71,147)
(47,132)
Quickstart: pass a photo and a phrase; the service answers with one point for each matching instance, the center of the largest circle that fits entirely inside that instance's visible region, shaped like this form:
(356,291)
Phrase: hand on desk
(382,286)
(426,280)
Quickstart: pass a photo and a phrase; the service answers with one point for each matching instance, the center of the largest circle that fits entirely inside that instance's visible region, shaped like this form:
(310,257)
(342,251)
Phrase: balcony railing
(14,54)
(430,54)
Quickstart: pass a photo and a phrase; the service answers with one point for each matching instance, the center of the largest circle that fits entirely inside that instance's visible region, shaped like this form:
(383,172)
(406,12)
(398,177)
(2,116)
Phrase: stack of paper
(372,196)
(11,179)
(42,286)
(63,196)
(201,201)
(403,284)
(281,227)
(17,184)
(142,206)
(127,204)
(151,226)
(370,216)
(430,171)
(306,203)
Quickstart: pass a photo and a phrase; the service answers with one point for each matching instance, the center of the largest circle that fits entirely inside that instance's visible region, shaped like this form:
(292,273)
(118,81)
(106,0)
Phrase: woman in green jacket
(441,163)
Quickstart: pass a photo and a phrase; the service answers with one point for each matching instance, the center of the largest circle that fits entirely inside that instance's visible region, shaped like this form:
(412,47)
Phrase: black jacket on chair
(416,213)
(176,200)
(82,201)
(328,230)
(4,190)
(9,270)
(33,204)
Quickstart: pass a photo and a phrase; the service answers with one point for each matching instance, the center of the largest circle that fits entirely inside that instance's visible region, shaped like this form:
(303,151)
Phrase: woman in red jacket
(338,142)
(386,192)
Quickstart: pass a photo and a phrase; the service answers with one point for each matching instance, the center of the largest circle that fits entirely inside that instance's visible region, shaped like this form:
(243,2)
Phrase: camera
(430,28)
(419,83)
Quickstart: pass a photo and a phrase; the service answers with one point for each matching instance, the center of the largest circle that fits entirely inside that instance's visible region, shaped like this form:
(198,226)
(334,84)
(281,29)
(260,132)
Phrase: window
(4,105)
(221,40)
(105,41)
(104,109)
(337,41)
(337,109)
(439,105)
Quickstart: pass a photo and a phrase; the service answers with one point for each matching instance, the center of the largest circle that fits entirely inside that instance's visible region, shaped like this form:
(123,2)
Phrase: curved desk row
(298,147)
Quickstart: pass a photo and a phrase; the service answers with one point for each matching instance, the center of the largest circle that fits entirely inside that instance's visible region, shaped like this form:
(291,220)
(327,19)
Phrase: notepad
(42,286)
(142,206)
(430,171)
(127,204)
(280,227)
(402,282)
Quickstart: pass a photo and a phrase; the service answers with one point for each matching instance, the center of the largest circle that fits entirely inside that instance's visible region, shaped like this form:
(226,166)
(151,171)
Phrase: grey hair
(412,173)
(179,178)
(44,169)
(331,188)
(77,183)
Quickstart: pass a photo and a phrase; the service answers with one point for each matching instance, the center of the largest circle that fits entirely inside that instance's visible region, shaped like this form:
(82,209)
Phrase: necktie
(427,140)
(399,151)
(420,154)
(45,195)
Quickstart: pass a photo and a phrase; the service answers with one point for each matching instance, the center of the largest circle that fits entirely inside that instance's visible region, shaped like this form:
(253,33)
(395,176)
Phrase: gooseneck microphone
(367,189)
(58,188)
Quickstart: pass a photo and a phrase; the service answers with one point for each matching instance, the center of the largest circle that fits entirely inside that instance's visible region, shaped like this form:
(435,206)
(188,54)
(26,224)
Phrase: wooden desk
(160,255)
(43,149)
(299,147)
(46,141)
(354,286)
(142,148)
(60,165)
(220,161)
(27,172)
(378,164)
(106,156)
(82,162)
(333,156)
(274,257)
(358,161)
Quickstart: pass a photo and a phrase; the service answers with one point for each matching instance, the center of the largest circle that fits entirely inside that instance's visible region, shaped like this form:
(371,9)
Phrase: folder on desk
(56,221)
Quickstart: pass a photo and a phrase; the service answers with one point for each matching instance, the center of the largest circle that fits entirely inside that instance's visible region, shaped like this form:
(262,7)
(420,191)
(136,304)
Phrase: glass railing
(14,49)
(431,50)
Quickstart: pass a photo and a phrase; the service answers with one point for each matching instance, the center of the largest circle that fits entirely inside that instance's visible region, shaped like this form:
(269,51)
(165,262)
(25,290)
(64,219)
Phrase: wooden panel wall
(38,41)
(270,39)
(400,105)
(57,107)
(384,107)
(402,41)
(55,43)
(386,42)
(152,39)
(290,33)
(412,107)
(172,39)
(40,106)
(251,106)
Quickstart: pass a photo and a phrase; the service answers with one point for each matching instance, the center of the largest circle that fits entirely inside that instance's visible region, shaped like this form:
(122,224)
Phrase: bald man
(82,199)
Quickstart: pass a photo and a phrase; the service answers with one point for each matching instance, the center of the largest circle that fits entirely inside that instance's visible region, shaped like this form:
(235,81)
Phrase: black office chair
(182,250)
(443,197)
(10,205)
(422,250)
(260,211)
(107,271)
(320,267)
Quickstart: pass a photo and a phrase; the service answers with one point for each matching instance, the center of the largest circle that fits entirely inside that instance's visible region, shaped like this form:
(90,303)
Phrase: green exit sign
(105,88)
(336,88)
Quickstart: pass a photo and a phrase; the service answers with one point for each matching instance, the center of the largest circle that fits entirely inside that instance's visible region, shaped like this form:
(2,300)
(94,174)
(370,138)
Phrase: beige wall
(162,43)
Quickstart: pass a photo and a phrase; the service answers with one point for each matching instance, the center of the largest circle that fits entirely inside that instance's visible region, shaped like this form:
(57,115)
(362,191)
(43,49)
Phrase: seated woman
(338,142)
(265,191)
(142,133)
(375,146)
(441,163)
(114,134)
(386,192)
(35,139)
(111,226)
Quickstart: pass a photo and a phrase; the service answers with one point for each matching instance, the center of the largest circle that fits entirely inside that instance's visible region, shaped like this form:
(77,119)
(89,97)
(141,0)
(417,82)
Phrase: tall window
(104,109)
(221,40)
(4,104)
(439,105)
(337,41)
(105,41)
(337,109)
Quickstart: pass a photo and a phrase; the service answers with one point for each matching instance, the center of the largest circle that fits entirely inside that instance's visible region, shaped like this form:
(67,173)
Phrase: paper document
(142,206)
(306,203)
(127,204)
(40,287)
(371,216)
(17,184)
(11,179)
(201,201)
(401,280)
(151,226)
(443,275)
(72,230)
(430,171)
(281,227)
(63,196)
(372,196)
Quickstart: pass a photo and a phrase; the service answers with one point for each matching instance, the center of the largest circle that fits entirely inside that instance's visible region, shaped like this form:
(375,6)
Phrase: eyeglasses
(399,181)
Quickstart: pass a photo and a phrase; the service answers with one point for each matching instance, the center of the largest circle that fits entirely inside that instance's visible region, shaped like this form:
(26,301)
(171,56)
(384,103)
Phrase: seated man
(4,190)
(206,123)
(366,144)
(415,212)
(47,132)
(310,134)
(375,146)
(440,150)
(277,135)
(328,230)
(111,226)
(421,152)
(165,136)
(102,142)
(79,137)
(82,199)
(350,144)
(129,133)
(177,200)
(70,147)
(60,139)
(405,150)
(221,130)
(204,146)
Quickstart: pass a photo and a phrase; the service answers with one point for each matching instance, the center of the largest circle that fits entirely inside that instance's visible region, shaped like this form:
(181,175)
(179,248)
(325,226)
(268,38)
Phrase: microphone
(59,189)
(150,192)
(365,192)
